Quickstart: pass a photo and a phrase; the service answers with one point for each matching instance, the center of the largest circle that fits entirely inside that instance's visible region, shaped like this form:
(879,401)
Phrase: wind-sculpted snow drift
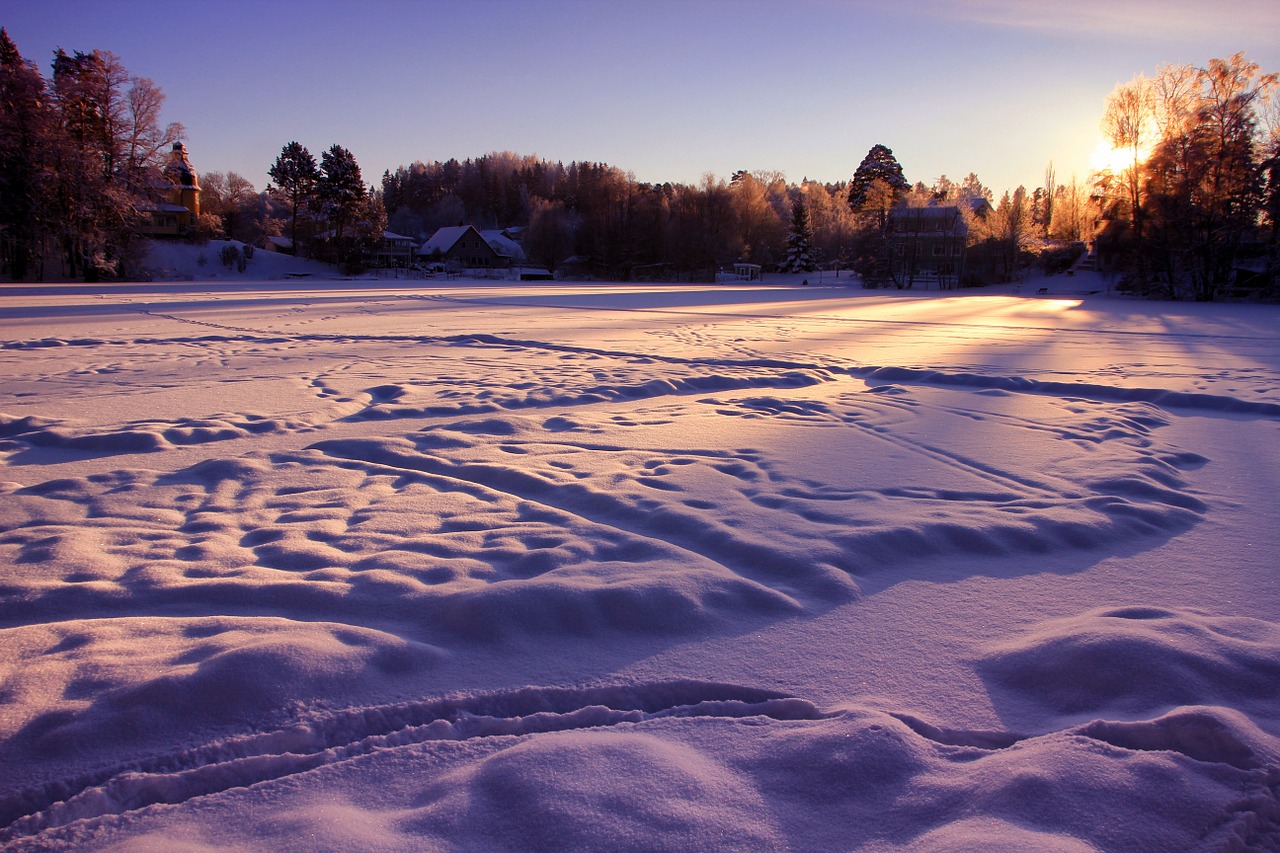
(382,573)
(680,766)
(483,527)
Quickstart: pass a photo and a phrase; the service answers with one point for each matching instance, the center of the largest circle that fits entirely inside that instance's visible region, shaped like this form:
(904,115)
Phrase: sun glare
(1107,158)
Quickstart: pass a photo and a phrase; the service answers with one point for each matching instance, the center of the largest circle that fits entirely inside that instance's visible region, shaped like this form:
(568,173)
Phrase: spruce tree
(799,241)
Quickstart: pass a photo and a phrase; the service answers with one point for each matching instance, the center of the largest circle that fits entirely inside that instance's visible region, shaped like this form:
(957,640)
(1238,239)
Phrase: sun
(1107,158)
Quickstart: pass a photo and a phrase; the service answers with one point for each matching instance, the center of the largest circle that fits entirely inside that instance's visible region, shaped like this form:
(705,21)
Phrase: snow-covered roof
(391,235)
(443,240)
(503,244)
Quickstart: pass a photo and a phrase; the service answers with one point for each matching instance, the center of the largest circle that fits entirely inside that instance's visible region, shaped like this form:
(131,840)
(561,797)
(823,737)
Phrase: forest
(1187,206)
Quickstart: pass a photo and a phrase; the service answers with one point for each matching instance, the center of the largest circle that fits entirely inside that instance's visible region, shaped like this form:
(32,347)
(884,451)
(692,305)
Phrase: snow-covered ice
(464,565)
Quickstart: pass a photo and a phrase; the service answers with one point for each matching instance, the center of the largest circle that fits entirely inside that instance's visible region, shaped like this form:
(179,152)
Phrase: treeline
(78,153)
(602,222)
(612,225)
(1193,212)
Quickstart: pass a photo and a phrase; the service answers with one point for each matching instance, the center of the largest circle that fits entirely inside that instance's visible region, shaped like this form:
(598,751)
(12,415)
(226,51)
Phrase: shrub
(231,257)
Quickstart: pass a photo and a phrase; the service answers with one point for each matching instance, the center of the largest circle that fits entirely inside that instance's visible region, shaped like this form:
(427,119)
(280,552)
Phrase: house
(280,245)
(978,206)
(396,250)
(465,247)
(741,272)
(926,244)
(175,205)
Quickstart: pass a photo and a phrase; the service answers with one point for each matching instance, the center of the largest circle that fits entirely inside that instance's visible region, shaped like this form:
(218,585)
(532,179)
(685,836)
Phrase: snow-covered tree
(1012,228)
(107,154)
(799,240)
(232,199)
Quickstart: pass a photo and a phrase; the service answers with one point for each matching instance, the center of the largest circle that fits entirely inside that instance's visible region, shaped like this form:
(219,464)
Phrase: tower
(186,185)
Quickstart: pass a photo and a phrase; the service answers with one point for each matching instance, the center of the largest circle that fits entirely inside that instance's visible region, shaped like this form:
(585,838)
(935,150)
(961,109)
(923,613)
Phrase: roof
(932,211)
(944,219)
(503,244)
(979,205)
(444,238)
(163,207)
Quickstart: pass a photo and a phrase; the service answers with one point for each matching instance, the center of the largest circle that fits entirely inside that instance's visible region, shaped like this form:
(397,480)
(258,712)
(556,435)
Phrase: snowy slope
(479,566)
(174,260)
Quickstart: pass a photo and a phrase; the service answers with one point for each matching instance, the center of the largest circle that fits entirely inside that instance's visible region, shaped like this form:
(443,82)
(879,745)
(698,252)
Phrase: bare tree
(1011,228)
(1129,124)
(760,229)
(232,199)
(1072,219)
(549,237)
(1207,178)
(145,141)
(1050,192)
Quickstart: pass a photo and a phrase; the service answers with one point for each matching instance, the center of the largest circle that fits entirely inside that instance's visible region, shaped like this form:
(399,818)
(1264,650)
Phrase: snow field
(490,567)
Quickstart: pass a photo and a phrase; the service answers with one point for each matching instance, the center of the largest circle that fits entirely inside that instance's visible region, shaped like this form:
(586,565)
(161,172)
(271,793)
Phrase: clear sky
(666,90)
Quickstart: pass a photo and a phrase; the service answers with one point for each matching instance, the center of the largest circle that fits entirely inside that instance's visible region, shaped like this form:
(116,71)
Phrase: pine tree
(340,187)
(879,164)
(295,174)
(345,200)
(799,241)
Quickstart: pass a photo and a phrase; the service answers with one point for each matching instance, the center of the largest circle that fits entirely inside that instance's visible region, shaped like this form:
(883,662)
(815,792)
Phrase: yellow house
(177,199)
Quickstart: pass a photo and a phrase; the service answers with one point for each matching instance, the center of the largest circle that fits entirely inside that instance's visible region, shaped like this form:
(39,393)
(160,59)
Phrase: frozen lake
(484,565)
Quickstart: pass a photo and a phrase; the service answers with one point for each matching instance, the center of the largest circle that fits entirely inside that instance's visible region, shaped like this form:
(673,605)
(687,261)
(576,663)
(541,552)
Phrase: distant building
(282,245)
(396,250)
(926,244)
(506,242)
(741,272)
(465,247)
(175,203)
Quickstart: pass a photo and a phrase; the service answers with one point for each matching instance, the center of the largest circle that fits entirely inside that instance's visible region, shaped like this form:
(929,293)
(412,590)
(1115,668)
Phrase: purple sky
(666,90)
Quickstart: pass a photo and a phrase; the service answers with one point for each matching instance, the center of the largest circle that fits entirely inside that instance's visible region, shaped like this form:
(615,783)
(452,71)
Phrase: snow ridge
(336,737)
